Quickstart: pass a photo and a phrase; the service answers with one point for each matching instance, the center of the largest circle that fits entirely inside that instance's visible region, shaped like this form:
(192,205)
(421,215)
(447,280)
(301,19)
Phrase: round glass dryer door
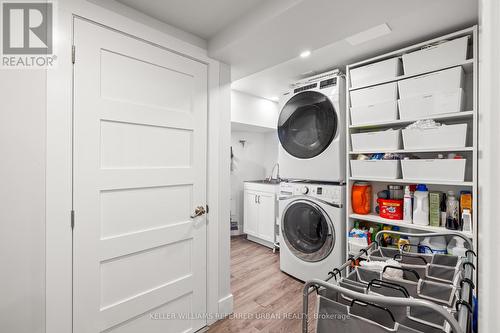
(307,124)
(307,230)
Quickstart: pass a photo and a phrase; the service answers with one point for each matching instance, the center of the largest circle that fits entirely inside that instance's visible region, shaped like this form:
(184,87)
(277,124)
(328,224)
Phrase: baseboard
(226,305)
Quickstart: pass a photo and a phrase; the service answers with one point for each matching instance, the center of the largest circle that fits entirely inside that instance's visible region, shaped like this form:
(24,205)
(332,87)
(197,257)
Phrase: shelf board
(377,219)
(405,151)
(419,181)
(443,116)
(467,66)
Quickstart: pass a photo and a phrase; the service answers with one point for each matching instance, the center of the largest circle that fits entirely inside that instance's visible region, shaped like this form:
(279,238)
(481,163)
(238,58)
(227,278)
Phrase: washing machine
(311,129)
(312,229)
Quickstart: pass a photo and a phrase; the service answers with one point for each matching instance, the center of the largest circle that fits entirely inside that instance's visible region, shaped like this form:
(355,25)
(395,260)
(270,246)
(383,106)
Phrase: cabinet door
(266,216)
(251,213)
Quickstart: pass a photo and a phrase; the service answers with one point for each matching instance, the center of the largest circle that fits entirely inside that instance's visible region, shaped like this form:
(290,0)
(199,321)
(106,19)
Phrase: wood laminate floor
(265,299)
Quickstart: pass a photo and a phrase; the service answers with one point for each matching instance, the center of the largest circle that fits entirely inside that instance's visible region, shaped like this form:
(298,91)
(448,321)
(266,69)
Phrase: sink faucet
(276,166)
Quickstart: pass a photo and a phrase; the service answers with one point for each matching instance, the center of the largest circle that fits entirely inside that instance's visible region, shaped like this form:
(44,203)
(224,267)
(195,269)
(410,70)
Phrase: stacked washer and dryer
(311,131)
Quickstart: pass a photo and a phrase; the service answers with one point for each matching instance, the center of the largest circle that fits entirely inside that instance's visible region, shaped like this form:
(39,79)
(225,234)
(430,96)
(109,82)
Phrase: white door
(139,172)
(251,214)
(266,216)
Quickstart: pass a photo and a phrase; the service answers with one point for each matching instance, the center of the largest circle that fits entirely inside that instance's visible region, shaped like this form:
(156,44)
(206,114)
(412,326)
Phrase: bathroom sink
(265,181)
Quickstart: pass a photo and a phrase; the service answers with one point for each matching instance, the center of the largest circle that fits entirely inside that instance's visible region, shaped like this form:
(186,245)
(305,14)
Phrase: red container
(361,198)
(391,209)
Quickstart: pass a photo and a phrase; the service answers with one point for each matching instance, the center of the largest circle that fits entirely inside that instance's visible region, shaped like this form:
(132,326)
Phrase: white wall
(35,192)
(22,200)
(253,161)
(251,110)
(254,120)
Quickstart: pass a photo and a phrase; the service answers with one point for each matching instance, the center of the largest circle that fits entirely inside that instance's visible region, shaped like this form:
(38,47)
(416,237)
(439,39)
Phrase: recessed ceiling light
(305,54)
(369,34)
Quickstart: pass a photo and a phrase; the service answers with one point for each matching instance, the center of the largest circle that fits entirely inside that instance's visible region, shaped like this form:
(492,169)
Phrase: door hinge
(72,219)
(73,55)
(207,210)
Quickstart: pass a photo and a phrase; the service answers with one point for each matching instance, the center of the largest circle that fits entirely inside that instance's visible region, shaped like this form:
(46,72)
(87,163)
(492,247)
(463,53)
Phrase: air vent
(310,86)
(328,83)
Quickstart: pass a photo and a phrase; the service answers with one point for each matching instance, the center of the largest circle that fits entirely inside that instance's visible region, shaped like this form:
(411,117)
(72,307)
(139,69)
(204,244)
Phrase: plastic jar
(361,198)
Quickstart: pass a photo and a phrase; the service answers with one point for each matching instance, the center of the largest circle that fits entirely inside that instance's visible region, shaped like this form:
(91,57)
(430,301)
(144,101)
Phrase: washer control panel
(326,192)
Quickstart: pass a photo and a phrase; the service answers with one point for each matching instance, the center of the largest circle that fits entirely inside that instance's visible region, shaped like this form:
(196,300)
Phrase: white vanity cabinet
(260,211)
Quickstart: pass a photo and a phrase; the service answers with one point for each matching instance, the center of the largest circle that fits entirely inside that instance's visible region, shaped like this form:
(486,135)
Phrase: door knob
(199,211)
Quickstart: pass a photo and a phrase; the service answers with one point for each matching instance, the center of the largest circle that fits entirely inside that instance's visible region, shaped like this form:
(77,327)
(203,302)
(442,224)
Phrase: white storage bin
(447,80)
(375,113)
(439,169)
(374,95)
(376,169)
(445,136)
(376,141)
(422,106)
(376,72)
(436,56)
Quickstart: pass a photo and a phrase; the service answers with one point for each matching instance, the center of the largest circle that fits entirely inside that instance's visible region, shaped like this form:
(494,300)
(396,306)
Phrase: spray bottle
(407,206)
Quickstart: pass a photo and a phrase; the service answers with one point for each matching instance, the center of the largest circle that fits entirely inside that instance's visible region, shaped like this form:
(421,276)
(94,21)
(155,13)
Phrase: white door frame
(59,164)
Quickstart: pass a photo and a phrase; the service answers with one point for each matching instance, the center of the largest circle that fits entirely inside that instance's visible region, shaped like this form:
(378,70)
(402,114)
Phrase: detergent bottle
(421,208)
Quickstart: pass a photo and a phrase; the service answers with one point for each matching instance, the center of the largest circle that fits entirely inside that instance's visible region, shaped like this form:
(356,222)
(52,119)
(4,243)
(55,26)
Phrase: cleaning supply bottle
(414,241)
(466,221)
(443,211)
(407,206)
(465,200)
(421,208)
(456,247)
(452,215)
(403,242)
(436,245)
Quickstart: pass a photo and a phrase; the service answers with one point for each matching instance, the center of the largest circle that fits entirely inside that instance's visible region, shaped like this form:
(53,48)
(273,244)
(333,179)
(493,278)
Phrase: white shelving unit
(469,116)
(406,151)
(409,181)
(377,219)
(443,117)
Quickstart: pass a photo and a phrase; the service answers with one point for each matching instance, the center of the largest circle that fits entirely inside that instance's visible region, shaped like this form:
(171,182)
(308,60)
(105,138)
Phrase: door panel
(266,216)
(127,277)
(126,145)
(251,214)
(155,323)
(139,172)
(144,208)
(161,86)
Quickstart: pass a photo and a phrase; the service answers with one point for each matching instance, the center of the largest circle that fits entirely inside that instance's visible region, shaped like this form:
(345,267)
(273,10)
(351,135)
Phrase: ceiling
(203,18)
(412,22)
(262,40)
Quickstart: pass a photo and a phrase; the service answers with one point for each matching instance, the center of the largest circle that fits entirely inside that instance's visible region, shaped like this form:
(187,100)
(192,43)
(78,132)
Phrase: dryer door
(307,124)
(307,230)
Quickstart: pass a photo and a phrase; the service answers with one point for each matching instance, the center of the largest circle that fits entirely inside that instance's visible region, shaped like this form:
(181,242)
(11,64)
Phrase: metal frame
(379,300)
(458,326)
